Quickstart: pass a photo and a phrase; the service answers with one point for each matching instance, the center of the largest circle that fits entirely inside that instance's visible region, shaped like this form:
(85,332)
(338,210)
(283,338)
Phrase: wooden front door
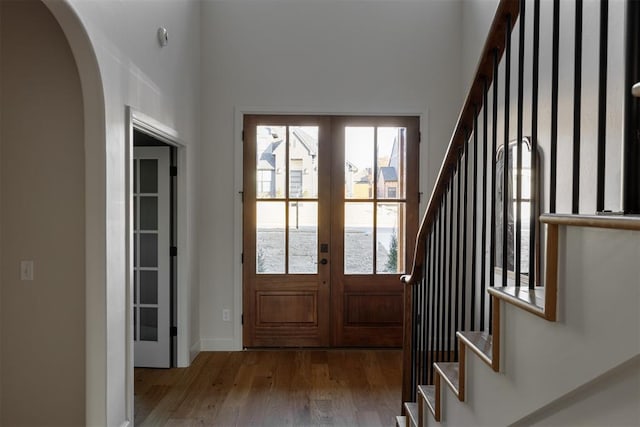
(330,216)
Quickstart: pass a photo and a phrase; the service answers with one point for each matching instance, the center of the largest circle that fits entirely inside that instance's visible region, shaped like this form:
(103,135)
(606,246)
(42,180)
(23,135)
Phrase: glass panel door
(375,208)
(151,257)
(286,289)
(330,208)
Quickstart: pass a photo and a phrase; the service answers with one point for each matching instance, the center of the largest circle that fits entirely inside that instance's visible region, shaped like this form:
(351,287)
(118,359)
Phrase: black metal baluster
(518,171)
(554,106)
(414,344)
(457,286)
(505,155)
(533,192)
(492,156)
(423,314)
(443,289)
(450,264)
(602,103)
(443,278)
(483,228)
(420,320)
(463,320)
(434,301)
(474,219)
(577,107)
(428,304)
(441,259)
(472,313)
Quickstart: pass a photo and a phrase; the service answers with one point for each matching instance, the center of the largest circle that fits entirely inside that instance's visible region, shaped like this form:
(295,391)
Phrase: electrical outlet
(226,315)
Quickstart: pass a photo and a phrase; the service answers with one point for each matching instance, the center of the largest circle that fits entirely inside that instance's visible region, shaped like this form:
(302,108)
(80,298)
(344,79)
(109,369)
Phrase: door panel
(330,208)
(286,223)
(151,257)
(287,307)
(368,309)
(374,223)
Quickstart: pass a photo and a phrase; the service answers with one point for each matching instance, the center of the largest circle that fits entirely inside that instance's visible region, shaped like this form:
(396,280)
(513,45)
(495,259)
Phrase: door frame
(235,343)
(154,128)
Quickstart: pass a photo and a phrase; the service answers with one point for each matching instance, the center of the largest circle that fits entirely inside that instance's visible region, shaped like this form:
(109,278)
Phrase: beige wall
(41,219)
(0,211)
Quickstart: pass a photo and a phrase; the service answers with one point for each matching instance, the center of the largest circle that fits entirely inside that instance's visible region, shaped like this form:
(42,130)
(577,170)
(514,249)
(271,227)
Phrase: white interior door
(151,203)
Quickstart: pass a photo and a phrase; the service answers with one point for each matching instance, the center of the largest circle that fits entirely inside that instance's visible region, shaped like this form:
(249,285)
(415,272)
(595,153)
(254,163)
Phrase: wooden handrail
(619,222)
(495,42)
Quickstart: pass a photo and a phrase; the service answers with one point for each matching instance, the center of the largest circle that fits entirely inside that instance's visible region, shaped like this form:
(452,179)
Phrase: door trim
(137,120)
(425,171)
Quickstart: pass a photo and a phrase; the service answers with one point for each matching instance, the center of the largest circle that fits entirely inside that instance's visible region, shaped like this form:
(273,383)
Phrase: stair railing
(481,226)
(438,298)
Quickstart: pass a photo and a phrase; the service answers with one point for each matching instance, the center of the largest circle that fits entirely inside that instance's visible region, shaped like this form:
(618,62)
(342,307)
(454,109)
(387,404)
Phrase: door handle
(324,261)
(635,90)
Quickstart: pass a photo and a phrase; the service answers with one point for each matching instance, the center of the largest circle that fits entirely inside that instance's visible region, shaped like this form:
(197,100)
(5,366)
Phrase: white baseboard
(193,352)
(219,344)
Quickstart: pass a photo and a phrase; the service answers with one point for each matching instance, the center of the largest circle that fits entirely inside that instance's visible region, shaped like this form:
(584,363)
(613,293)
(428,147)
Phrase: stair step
(401,421)
(450,372)
(411,409)
(480,343)
(428,393)
(531,300)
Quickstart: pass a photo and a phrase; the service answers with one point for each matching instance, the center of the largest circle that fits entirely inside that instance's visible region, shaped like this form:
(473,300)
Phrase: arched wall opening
(52,348)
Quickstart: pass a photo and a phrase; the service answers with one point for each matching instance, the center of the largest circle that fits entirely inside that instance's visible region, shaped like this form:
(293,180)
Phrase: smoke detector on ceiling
(163,36)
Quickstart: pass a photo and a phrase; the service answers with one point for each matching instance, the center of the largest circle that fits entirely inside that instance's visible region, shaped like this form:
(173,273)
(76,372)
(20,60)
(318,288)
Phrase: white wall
(610,400)
(42,219)
(162,84)
(477,16)
(355,57)
(598,329)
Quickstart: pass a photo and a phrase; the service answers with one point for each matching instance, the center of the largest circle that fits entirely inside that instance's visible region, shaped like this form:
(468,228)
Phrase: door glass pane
(148,324)
(358,165)
(136,206)
(271,161)
(148,287)
(148,176)
(391,170)
(303,162)
(135,286)
(136,181)
(303,237)
(148,250)
(270,237)
(135,323)
(390,238)
(358,238)
(149,213)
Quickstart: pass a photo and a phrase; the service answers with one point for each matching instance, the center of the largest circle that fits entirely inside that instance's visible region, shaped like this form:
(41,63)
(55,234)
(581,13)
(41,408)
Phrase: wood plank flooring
(273,388)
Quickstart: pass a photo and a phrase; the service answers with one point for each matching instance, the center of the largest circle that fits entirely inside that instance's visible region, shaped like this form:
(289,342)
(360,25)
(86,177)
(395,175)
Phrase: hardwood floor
(273,388)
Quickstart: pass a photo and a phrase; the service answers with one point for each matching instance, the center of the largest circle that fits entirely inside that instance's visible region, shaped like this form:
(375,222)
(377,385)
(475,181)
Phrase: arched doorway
(52,232)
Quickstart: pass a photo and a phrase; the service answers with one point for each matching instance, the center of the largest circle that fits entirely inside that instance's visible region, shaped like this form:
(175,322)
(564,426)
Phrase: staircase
(513,317)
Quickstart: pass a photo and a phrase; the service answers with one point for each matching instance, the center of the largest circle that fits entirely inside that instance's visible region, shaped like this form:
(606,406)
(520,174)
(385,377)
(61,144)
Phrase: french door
(151,271)
(330,217)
